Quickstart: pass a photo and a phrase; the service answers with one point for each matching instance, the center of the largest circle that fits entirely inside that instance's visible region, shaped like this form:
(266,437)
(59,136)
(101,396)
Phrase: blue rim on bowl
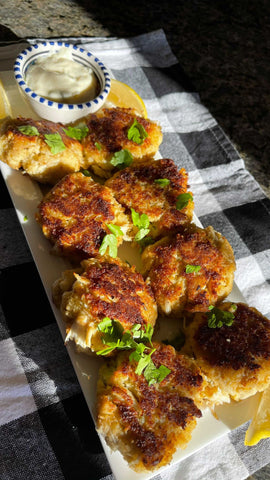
(80,55)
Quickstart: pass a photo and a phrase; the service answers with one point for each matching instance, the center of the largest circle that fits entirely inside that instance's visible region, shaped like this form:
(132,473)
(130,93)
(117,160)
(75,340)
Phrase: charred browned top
(159,408)
(243,344)
(137,187)
(110,129)
(116,291)
(74,214)
(191,246)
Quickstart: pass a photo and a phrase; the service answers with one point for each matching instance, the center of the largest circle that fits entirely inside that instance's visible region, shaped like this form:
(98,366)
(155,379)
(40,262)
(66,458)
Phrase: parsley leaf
(78,133)
(86,173)
(55,142)
(192,268)
(115,229)
(110,242)
(142,223)
(137,132)
(217,317)
(182,200)
(163,182)
(98,146)
(122,159)
(153,374)
(28,130)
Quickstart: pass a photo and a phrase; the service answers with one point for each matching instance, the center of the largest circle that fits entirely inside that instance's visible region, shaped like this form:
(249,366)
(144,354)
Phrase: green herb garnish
(137,132)
(217,317)
(28,130)
(25,218)
(86,172)
(162,182)
(110,240)
(142,223)
(98,146)
(182,200)
(192,268)
(115,229)
(114,337)
(78,133)
(55,142)
(122,159)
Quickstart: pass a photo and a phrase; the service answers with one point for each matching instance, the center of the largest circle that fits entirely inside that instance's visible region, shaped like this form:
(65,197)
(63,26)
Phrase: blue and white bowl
(53,110)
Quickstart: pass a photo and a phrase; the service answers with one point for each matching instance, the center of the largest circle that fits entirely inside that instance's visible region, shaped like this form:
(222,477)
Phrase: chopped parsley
(122,159)
(217,317)
(137,132)
(78,133)
(142,223)
(114,337)
(98,146)
(55,142)
(192,268)
(110,241)
(86,172)
(182,200)
(162,182)
(29,130)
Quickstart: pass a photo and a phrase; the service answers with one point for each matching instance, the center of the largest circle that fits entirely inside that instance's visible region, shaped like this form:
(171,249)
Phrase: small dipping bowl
(54,110)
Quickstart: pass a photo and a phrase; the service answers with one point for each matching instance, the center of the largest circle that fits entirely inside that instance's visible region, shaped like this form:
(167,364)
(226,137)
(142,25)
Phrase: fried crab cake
(153,187)
(147,423)
(190,271)
(39,148)
(231,345)
(103,288)
(110,131)
(75,216)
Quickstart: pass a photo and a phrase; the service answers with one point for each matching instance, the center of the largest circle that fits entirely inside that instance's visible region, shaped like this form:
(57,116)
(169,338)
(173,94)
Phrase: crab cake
(148,422)
(39,148)
(190,271)
(75,216)
(112,130)
(153,187)
(231,345)
(104,287)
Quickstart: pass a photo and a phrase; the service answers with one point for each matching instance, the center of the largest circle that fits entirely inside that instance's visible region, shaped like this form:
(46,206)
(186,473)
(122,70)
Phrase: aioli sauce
(58,77)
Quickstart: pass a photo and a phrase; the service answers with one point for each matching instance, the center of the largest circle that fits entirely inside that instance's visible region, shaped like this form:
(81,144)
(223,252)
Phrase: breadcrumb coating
(235,359)
(75,213)
(166,263)
(103,287)
(147,423)
(152,187)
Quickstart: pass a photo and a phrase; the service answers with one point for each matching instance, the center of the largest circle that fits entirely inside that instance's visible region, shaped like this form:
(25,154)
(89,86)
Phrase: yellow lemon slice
(4,105)
(123,96)
(259,427)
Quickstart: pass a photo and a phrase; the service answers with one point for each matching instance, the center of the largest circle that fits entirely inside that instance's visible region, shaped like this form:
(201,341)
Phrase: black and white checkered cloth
(46,431)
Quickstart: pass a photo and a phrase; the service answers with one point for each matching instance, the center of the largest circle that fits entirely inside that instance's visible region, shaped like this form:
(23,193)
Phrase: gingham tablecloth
(46,431)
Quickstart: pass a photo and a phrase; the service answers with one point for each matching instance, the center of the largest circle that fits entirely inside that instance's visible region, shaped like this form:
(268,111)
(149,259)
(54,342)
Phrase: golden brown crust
(235,358)
(147,423)
(175,290)
(105,287)
(136,187)
(32,154)
(108,134)
(75,213)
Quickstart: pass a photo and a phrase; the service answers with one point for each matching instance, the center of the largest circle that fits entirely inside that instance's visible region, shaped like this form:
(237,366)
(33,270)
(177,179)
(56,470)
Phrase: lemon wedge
(259,427)
(123,96)
(4,106)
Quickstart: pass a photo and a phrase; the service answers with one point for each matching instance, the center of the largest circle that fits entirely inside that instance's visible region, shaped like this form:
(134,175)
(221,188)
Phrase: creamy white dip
(58,77)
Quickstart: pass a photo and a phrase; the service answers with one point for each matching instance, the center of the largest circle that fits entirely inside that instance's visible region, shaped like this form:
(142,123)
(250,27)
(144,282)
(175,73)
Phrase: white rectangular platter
(26,194)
